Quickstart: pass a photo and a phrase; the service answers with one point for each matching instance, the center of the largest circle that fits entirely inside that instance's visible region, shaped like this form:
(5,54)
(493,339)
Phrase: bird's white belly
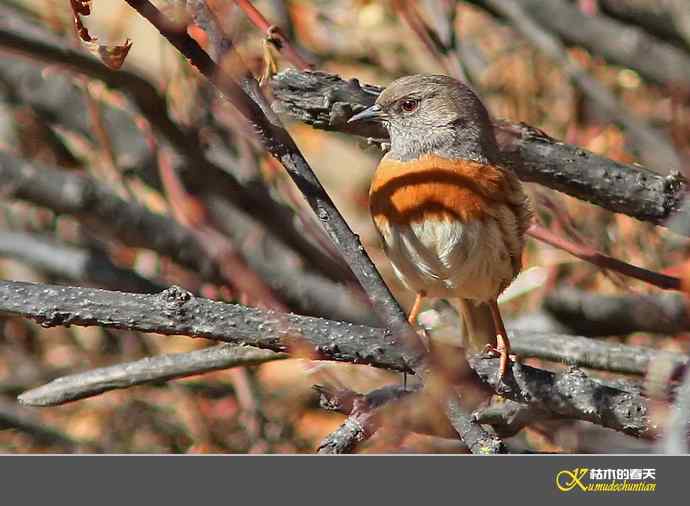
(446,258)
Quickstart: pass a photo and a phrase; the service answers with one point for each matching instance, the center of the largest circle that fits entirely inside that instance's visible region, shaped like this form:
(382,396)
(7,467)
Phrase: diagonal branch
(278,143)
(96,204)
(618,42)
(364,415)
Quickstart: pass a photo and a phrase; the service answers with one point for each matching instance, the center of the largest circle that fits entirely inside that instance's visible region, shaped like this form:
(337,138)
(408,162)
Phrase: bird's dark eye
(409,105)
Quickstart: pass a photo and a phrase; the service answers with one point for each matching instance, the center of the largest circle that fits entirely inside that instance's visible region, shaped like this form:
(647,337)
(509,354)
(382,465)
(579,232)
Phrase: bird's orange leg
(501,339)
(416,307)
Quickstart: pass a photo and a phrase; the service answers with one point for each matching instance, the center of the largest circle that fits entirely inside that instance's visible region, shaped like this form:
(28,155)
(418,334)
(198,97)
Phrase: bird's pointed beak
(373,113)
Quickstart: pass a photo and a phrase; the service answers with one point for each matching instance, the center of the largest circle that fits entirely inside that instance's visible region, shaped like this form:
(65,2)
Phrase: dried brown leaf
(112,56)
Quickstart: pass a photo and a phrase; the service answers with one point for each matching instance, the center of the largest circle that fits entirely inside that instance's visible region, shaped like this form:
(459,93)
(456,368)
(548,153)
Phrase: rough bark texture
(571,394)
(326,101)
(176,311)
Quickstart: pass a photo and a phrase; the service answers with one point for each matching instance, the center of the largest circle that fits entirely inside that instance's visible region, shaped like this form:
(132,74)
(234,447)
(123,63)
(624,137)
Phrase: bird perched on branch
(452,221)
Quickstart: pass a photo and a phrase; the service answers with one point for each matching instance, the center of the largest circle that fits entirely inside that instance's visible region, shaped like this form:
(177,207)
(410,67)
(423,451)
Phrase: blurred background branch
(146,177)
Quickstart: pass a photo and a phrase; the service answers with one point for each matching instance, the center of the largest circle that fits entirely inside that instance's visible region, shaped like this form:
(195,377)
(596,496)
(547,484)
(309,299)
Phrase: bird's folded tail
(478,327)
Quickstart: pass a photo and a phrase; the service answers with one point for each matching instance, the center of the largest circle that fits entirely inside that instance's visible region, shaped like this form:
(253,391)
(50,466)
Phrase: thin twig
(364,415)
(148,370)
(274,34)
(604,261)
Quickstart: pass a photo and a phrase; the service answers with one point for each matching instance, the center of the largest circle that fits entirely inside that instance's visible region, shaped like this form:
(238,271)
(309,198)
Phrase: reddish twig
(274,34)
(445,56)
(604,261)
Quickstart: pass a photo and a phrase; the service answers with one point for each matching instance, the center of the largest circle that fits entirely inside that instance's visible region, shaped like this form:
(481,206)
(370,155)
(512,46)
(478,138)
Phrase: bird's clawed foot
(501,350)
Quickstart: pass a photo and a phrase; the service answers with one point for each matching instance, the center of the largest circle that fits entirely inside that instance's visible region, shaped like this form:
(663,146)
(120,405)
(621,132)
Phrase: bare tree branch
(19,419)
(27,39)
(99,207)
(364,415)
(368,412)
(477,438)
(668,19)
(571,394)
(508,417)
(96,204)
(326,101)
(279,144)
(176,311)
(148,370)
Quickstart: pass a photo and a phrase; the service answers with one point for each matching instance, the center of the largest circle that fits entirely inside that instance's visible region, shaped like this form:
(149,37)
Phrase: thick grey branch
(176,311)
(326,101)
(571,394)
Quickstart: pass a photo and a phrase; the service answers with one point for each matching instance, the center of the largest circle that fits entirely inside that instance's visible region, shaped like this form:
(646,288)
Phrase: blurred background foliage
(272,407)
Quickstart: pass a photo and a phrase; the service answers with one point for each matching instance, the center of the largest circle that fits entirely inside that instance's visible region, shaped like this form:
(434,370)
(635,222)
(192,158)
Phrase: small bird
(451,220)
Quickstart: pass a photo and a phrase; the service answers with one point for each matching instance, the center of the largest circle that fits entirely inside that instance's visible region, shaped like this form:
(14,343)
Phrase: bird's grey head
(433,114)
